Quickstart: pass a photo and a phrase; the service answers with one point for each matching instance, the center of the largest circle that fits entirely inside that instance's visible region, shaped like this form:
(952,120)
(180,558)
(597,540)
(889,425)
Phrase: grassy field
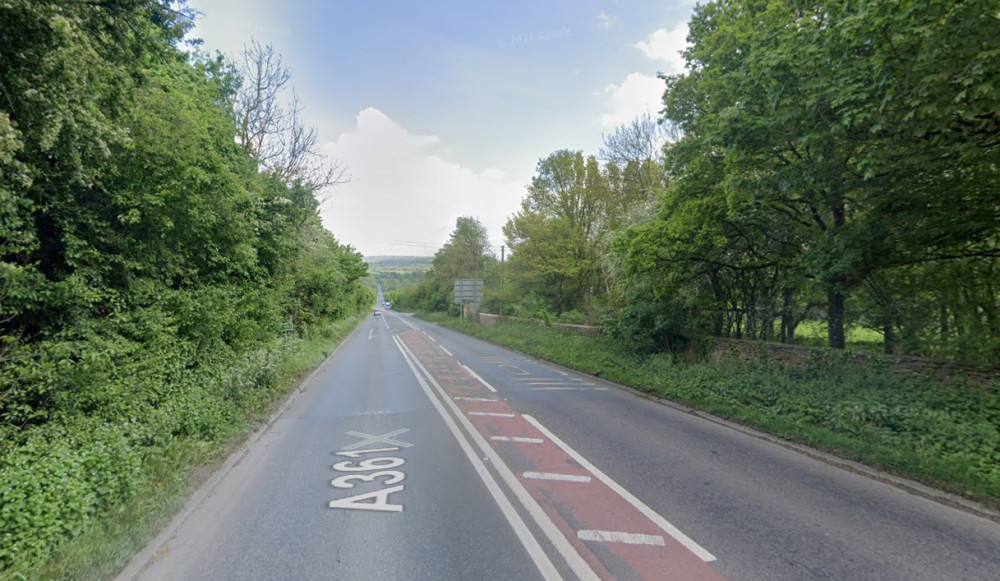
(105,548)
(859,338)
(947,436)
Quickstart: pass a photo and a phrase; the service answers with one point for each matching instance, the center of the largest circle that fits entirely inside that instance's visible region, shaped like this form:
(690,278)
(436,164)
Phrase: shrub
(60,478)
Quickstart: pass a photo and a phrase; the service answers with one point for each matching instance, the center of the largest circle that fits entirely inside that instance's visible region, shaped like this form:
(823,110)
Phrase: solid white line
(651,514)
(554,476)
(490,414)
(481,380)
(463,398)
(517,439)
(620,537)
(445,350)
(569,554)
(535,551)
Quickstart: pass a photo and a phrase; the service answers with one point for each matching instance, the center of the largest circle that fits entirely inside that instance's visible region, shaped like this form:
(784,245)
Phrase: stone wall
(490,319)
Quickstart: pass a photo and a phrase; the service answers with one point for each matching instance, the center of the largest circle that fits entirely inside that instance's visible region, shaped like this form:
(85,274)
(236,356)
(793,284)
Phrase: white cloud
(666,45)
(404,197)
(493,174)
(639,93)
(607,21)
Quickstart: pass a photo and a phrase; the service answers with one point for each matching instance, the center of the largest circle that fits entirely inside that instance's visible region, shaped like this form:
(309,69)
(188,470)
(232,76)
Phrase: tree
(466,254)
(555,235)
(853,124)
(636,149)
(271,131)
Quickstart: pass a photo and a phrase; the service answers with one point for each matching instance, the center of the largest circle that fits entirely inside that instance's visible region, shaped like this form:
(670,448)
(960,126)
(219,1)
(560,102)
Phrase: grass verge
(173,473)
(947,436)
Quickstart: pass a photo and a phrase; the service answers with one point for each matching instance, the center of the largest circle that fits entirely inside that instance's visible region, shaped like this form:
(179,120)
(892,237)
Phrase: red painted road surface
(611,534)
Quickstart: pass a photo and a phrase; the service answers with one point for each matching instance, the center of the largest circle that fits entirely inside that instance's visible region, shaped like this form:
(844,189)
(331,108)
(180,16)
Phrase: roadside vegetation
(944,435)
(164,275)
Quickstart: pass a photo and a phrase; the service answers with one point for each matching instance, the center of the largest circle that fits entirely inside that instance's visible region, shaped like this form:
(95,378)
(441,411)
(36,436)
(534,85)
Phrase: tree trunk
(835,298)
(787,332)
(835,319)
(889,339)
(720,304)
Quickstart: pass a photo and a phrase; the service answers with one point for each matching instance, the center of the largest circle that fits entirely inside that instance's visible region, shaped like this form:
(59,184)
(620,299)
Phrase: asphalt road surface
(418,453)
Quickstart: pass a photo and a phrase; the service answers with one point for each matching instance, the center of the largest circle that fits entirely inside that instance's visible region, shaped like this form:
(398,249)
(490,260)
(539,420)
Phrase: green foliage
(649,324)
(840,156)
(553,237)
(57,480)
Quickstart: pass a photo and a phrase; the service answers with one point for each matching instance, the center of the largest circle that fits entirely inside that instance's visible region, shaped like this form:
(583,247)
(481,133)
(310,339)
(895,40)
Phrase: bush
(60,478)
(647,324)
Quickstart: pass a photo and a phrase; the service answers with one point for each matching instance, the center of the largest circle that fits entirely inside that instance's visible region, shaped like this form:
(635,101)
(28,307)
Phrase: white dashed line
(445,350)
(490,414)
(554,476)
(463,398)
(516,439)
(652,515)
(620,537)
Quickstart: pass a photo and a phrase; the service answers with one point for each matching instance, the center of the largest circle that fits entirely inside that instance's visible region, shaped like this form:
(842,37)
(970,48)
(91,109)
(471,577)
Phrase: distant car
(377,312)
(388,305)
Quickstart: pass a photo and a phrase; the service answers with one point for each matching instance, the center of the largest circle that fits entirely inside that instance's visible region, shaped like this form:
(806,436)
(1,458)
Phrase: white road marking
(359,453)
(370,333)
(490,414)
(564,389)
(651,514)
(380,501)
(445,350)
(535,551)
(620,537)
(463,398)
(406,322)
(554,476)
(517,439)
(383,439)
(479,379)
(553,380)
(510,369)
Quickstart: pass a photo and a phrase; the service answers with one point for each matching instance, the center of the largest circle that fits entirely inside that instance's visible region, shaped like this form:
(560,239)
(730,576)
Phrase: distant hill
(396,272)
(404,261)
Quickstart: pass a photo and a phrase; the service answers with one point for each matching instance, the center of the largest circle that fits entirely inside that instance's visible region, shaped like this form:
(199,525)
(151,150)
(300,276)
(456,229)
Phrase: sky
(442,109)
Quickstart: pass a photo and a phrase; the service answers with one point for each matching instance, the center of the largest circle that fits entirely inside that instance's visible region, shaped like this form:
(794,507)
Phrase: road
(415,452)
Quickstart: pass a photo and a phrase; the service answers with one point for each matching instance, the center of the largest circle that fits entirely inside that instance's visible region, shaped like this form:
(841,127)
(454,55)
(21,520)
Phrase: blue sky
(443,109)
